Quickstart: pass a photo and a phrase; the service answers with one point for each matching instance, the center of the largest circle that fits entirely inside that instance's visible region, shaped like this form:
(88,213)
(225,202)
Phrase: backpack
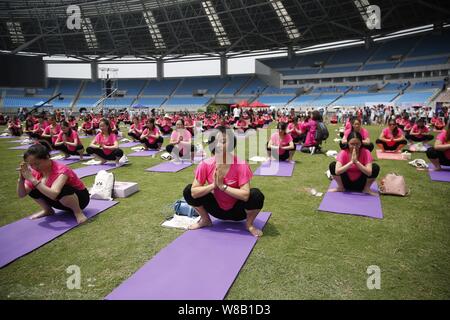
(322,133)
(103,186)
(182,208)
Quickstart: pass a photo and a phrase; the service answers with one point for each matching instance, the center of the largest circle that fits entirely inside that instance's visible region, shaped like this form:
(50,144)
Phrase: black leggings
(170,148)
(360,183)
(391,148)
(33,135)
(432,153)
(64,149)
(88,132)
(156,145)
(237,213)
(83,197)
(134,135)
(114,155)
(300,139)
(369,146)
(15,131)
(427,137)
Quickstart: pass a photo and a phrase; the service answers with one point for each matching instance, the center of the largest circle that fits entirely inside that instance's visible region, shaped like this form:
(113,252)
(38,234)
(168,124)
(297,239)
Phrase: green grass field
(304,254)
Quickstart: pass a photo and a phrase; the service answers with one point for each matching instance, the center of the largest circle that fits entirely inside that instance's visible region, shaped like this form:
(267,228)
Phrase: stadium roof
(159,29)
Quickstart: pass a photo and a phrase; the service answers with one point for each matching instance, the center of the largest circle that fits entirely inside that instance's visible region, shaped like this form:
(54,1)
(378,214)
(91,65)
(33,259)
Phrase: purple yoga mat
(275,168)
(18,141)
(25,235)
(443,175)
(22,147)
(129,144)
(93,170)
(72,160)
(7,137)
(298,147)
(198,265)
(353,203)
(147,153)
(169,167)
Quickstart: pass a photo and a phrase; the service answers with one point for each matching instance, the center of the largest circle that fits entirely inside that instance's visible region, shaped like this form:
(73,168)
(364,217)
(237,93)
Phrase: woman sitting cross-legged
(419,132)
(221,186)
(391,138)
(354,169)
(180,142)
(356,127)
(151,136)
(281,145)
(136,129)
(69,142)
(105,145)
(439,155)
(51,184)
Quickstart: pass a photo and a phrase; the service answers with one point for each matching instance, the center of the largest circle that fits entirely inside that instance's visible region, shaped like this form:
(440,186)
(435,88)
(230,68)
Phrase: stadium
(268,71)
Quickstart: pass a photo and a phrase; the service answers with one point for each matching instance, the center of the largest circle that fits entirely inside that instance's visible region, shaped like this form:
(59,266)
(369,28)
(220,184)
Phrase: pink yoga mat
(443,175)
(198,265)
(169,167)
(275,168)
(23,236)
(353,203)
(389,155)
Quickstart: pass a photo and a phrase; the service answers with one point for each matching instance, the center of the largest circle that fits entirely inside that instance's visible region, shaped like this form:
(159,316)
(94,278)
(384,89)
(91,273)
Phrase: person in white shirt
(236,113)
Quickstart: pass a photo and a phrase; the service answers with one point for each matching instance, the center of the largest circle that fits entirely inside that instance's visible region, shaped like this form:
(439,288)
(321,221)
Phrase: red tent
(257,104)
(241,104)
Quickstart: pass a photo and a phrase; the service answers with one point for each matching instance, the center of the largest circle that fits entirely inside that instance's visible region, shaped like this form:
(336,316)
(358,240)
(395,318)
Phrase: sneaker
(312,150)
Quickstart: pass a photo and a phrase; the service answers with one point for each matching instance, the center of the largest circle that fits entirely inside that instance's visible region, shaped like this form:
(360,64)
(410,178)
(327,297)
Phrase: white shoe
(312,149)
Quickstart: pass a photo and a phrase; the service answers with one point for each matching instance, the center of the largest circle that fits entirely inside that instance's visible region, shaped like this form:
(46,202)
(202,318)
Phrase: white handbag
(103,186)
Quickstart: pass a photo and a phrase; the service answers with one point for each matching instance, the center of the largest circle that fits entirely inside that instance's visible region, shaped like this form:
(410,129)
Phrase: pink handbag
(393,184)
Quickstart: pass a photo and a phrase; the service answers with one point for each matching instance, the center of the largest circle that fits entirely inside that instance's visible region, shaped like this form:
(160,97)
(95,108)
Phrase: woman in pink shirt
(221,186)
(295,130)
(165,125)
(51,133)
(311,144)
(105,145)
(69,142)
(439,155)
(87,126)
(391,138)
(15,127)
(51,184)
(38,129)
(151,136)
(136,129)
(281,145)
(354,169)
(241,125)
(356,127)
(181,143)
(419,132)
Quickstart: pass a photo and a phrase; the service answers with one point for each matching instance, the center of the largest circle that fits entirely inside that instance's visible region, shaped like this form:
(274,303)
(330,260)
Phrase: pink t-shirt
(292,126)
(416,129)
(56,171)
(345,157)
(106,141)
(238,175)
(38,128)
(310,140)
(136,128)
(388,135)
(441,138)
(184,133)
(364,133)
(276,140)
(73,137)
(55,131)
(155,131)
